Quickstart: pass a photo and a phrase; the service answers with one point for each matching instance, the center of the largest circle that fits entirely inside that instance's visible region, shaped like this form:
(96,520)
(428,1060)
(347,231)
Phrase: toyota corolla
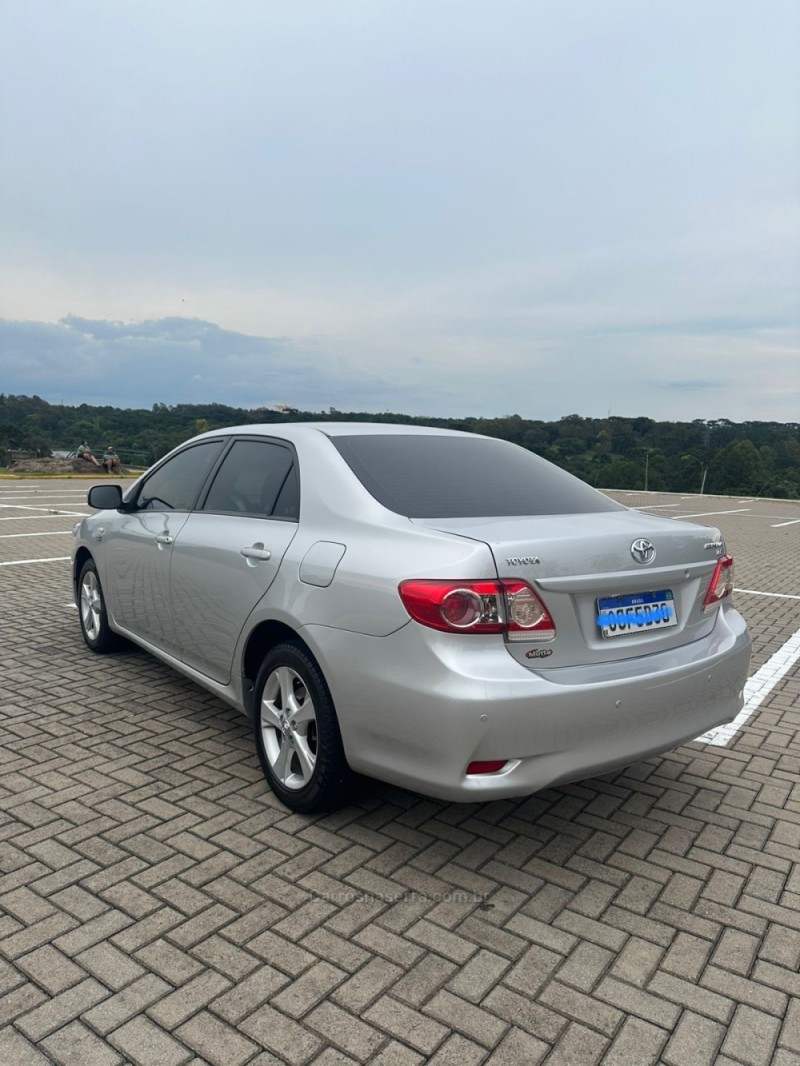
(444,611)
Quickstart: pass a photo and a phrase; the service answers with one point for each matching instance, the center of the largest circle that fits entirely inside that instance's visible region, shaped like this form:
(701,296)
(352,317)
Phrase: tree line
(716,456)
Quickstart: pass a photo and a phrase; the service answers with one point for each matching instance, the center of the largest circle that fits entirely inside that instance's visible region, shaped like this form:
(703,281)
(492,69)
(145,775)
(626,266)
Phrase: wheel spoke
(282,765)
(305,757)
(270,715)
(285,678)
(303,712)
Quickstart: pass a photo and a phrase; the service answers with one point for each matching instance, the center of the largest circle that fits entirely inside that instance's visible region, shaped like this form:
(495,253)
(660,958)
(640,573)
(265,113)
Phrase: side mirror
(105,497)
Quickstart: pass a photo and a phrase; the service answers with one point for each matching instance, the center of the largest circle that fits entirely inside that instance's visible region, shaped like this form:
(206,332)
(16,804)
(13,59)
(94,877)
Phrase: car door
(229,551)
(141,538)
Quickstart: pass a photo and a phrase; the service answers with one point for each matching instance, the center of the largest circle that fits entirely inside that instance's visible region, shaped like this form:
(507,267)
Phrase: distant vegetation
(751,458)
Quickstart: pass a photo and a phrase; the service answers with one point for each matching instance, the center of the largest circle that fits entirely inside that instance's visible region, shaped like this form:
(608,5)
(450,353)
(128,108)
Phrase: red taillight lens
(510,607)
(488,766)
(455,606)
(721,583)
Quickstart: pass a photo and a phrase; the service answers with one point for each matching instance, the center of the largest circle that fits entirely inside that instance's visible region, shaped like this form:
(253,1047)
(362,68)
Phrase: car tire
(297,733)
(92,612)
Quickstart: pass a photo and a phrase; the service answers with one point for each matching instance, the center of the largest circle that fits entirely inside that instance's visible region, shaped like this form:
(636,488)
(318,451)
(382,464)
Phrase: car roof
(298,430)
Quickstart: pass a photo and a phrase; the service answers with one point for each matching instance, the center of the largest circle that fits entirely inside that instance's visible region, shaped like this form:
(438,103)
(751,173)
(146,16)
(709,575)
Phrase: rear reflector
(489,766)
(721,585)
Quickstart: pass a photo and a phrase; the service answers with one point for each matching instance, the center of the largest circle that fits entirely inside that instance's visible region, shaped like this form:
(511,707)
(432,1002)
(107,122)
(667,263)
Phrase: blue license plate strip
(638,612)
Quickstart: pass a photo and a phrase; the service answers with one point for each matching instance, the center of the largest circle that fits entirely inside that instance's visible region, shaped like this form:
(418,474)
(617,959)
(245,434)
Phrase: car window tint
(288,503)
(250,478)
(464,477)
(176,484)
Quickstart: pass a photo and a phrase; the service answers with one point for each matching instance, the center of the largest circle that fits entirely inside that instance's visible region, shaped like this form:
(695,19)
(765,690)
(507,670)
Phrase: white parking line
(26,562)
(22,507)
(36,517)
(42,501)
(28,507)
(656,507)
(46,533)
(702,514)
(775,595)
(756,690)
(793,522)
(39,495)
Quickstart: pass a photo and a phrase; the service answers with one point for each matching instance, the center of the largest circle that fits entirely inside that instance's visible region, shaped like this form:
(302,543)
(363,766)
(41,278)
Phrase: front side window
(252,477)
(177,483)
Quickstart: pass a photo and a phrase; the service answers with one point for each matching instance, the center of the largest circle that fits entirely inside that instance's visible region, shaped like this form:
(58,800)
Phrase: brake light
(508,607)
(721,585)
(455,606)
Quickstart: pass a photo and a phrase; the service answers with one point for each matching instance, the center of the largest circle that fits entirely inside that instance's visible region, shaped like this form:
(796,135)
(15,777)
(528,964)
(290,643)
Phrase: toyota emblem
(643,551)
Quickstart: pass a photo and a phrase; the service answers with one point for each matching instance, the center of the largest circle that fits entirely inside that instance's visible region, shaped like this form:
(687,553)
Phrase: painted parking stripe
(39,495)
(46,533)
(28,507)
(60,515)
(702,514)
(756,690)
(28,562)
(793,522)
(22,507)
(774,595)
(43,501)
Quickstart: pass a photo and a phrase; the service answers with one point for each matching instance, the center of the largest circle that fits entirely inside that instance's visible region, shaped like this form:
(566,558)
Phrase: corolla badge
(643,551)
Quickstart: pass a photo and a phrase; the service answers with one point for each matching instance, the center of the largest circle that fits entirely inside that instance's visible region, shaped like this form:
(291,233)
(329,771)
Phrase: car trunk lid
(587,570)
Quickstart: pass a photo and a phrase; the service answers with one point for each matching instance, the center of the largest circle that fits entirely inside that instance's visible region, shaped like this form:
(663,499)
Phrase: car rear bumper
(417,707)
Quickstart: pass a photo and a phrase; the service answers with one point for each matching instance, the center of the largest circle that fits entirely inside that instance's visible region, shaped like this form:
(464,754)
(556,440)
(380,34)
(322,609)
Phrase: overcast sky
(444,207)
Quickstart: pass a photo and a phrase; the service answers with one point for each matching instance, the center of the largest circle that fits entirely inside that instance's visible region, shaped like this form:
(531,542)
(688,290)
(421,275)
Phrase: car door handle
(256,551)
(163,538)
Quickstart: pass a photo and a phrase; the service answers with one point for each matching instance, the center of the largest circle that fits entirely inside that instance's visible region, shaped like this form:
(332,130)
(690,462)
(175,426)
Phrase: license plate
(639,612)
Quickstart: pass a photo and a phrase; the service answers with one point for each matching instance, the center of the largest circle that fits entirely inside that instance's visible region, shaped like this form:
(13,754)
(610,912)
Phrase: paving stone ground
(158,906)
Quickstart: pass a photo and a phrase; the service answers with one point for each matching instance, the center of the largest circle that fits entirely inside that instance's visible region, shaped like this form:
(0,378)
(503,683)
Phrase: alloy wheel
(91,605)
(289,728)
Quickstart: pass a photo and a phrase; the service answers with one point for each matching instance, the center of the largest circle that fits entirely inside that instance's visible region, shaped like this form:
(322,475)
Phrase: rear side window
(251,478)
(464,477)
(288,503)
(177,482)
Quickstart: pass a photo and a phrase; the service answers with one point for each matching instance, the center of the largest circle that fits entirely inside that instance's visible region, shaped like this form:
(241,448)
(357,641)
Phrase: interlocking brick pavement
(158,906)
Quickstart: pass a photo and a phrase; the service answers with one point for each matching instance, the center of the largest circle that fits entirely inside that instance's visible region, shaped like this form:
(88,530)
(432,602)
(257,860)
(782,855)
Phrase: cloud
(449,372)
(173,360)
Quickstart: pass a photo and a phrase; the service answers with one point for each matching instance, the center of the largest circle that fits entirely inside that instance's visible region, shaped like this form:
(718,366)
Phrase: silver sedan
(440,610)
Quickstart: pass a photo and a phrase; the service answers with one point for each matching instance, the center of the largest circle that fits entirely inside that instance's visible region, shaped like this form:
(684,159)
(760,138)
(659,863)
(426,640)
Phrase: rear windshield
(464,477)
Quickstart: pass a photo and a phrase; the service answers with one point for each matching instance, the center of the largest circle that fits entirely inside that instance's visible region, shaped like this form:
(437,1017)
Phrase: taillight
(528,618)
(455,606)
(509,607)
(721,585)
